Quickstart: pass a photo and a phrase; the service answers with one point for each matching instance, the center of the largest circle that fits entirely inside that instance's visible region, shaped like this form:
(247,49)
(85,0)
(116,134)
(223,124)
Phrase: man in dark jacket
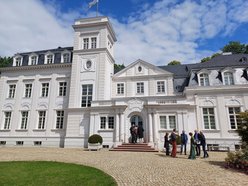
(203,144)
(184,141)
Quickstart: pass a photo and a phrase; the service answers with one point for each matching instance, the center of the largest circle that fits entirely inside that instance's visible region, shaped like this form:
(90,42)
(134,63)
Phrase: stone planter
(94,146)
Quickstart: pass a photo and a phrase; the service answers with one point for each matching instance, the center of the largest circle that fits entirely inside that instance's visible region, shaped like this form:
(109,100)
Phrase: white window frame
(209,115)
(140,87)
(93,44)
(18,61)
(167,122)
(86,43)
(41,119)
(33,60)
(44,89)
(229,78)
(88,97)
(160,87)
(28,90)
(7,120)
(12,90)
(49,58)
(24,120)
(120,88)
(234,115)
(67,59)
(60,118)
(106,122)
(204,79)
(62,88)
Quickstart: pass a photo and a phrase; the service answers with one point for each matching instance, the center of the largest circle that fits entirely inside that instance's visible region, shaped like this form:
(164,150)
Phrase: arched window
(228,78)
(204,79)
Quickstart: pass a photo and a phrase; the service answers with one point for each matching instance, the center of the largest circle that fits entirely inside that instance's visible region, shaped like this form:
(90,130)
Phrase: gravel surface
(138,168)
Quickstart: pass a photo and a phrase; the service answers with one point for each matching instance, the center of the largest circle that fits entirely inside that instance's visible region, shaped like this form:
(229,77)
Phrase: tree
(243,128)
(5,61)
(118,67)
(174,62)
(235,47)
(214,55)
(205,59)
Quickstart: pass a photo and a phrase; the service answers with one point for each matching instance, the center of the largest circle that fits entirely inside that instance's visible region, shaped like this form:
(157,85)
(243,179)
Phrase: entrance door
(137,121)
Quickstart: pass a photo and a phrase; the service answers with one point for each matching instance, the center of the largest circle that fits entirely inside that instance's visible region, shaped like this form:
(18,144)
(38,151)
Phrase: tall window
(168,122)
(7,120)
(49,59)
(209,118)
(160,87)
(228,78)
(107,122)
(62,88)
(140,87)
(33,60)
(66,58)
(235,120)
(42,119)
(87,91)
(12,91)
(120,88)
(204,79)
(18,61)
(86,43)
(93,42)
(24,121)
(28,90)
(60,119)
(45,88)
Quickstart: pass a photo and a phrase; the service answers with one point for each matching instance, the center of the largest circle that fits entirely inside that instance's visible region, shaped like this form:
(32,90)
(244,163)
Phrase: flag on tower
(92,3)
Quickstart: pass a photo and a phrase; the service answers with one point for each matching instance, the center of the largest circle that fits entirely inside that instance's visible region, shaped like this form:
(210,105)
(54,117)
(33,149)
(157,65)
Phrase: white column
(122,131)
(155,131)
(92,123)
(117,125)
(150,128)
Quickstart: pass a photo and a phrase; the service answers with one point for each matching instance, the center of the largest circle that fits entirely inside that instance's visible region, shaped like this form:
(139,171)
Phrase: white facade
(46,99)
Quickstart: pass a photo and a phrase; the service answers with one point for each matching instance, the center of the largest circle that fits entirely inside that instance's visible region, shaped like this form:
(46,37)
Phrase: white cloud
(159,33)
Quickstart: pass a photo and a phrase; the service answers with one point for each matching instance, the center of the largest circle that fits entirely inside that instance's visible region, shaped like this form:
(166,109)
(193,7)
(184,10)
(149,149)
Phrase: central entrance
(136,120)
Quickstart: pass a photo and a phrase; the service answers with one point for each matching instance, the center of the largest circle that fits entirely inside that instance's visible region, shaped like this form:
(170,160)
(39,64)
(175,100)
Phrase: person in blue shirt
(198,143)
(184,141)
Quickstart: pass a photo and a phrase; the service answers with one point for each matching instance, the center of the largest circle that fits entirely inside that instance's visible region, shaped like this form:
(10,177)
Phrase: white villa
(59,97)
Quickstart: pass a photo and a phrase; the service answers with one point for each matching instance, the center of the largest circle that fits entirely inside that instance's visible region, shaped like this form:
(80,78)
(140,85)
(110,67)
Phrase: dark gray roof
(41,55)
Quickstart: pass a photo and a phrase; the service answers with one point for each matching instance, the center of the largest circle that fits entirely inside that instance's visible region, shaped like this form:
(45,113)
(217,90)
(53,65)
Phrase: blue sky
(157,31)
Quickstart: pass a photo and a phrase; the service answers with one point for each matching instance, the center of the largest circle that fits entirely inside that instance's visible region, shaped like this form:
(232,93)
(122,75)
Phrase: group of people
(136,133)
(196,141)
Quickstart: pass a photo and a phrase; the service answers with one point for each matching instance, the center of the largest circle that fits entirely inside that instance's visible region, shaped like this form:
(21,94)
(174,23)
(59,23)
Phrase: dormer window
(228,78)
(17,61)
(66,58)
(49,58)
(33,59)
(204,79)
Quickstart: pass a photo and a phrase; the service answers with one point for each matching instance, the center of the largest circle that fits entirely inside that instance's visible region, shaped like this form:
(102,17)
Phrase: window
(86,43)
(12,91)
(204,80)
(45,88)
(28,90)
(93,42)
(107,122)
(140,87)
(62,88)
(49,59)
(120,88)
(88,65)
(209,118)
(7,120)
(235,120)
(19,142)
(228,78)
(66,58)
(87,91)
(37,143)
(160,87)
(33,60)
(60,119)
(168,122)
(2,142)
(24,121)
(42,120)
(18,61)
(139,68)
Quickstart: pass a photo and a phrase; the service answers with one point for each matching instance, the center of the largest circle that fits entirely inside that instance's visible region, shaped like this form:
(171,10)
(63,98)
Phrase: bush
(95,138)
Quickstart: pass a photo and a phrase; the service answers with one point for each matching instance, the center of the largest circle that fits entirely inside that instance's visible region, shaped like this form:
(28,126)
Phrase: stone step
(134,150)
(137,147)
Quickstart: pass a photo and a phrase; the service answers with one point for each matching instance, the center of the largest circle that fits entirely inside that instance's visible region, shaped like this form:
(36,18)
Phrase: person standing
(173,138)
(184,141)
(198,143)
(203,144)
(167,144)
(132,132)
(192,147)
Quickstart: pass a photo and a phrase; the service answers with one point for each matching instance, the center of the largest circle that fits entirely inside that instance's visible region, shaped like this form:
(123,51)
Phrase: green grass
(51,173)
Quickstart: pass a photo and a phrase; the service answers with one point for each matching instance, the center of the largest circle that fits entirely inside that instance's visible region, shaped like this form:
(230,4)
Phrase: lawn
(51,173)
